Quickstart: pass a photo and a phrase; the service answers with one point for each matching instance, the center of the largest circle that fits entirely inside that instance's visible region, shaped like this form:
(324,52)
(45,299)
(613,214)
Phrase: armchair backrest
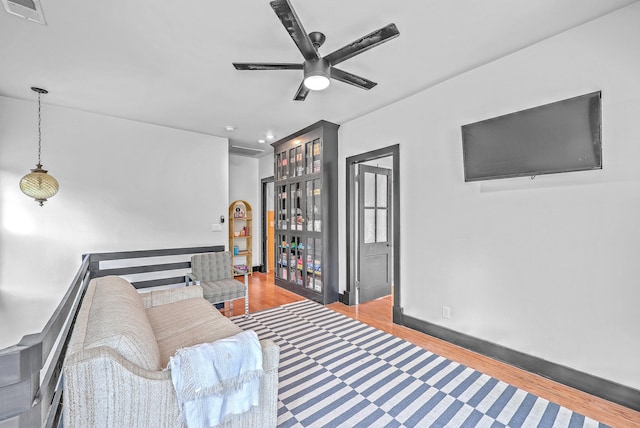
(212,266)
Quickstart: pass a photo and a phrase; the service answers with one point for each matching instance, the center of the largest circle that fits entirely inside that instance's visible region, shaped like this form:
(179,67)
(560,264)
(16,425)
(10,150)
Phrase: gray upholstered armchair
(215,274)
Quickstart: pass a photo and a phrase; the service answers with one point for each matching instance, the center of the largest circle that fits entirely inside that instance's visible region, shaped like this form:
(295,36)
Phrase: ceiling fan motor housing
(317,39)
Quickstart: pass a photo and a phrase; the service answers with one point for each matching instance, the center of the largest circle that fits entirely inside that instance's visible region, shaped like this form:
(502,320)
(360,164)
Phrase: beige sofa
(122,340)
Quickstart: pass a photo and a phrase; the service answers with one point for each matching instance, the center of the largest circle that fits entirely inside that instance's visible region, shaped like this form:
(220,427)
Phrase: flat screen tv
(559,137)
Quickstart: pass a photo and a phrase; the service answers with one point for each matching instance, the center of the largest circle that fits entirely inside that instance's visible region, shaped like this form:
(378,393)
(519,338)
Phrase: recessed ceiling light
(230,128)
(261,141)
(270,136)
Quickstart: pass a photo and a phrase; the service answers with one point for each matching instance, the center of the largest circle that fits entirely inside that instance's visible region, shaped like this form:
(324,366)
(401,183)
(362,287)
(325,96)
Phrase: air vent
(244,151)
(28,9)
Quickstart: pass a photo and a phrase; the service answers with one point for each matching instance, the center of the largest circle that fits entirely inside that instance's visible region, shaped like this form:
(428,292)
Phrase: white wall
(244,184)
(265,167)
(265,170)
(549,267)
(123,186)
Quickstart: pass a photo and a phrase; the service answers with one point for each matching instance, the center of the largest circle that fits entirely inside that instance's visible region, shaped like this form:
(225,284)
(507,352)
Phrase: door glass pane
(299,161)
(297,260)
(369,226)
(317,213)
(382,190)
(308,262)
(292,162)
(283,167)
(299,206)
(296,207)
(310,206)
(292,206)
(317,265)
(283,260)
(369,189)
(316,155)
(309,157)
(282,207)
(381,225)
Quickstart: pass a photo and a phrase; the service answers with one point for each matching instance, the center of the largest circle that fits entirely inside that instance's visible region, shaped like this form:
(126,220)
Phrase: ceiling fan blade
(267,66)
(302,93)
(294,27)
(351,79)
(363,44)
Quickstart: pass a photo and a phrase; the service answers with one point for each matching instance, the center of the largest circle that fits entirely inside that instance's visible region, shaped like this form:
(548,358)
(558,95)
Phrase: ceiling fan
(318,69)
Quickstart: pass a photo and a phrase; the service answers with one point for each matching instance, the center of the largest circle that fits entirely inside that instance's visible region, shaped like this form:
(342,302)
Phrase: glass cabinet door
(308,157)
(296,206)
(300,161)
(282,208)
(292,162)
(316,155)
(281,256)
(309,207)
(313,265)
(312,156)
(317,205)
(281,168)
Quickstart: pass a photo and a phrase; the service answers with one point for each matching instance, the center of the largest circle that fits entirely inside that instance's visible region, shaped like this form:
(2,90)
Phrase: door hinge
(357,177)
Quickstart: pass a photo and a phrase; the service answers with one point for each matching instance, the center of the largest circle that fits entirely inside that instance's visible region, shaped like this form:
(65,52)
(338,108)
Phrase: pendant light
(38,184)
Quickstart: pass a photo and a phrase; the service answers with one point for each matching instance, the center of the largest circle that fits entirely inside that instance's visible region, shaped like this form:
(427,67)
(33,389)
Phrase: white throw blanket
(215,380)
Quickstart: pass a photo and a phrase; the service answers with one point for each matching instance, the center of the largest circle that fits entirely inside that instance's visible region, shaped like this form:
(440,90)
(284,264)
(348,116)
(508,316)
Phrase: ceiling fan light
(316,83)
(316,74)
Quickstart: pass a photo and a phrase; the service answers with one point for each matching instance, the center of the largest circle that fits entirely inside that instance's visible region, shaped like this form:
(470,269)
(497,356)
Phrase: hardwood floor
(264,295)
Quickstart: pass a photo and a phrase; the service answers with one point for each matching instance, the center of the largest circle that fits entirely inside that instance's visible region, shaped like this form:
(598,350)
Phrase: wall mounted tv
(562,136)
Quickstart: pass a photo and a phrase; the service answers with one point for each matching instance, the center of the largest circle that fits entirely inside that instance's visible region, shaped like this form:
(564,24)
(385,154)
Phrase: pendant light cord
(39,131)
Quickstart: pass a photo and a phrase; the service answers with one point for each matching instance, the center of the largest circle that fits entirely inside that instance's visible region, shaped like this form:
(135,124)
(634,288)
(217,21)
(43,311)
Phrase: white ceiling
(169,63)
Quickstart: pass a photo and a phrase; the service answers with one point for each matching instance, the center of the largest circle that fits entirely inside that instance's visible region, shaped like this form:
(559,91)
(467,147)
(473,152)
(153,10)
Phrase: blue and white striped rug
(338,372)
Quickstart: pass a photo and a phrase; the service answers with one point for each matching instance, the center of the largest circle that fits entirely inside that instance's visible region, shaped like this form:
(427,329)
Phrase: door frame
(265,222)
(349,296)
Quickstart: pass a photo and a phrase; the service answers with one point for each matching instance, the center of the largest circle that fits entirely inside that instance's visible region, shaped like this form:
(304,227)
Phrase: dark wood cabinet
(306,212)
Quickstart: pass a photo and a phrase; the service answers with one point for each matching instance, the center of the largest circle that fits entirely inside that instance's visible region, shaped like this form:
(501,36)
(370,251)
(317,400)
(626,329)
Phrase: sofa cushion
(222,290)
(212,266)
(117,319)
(187,323)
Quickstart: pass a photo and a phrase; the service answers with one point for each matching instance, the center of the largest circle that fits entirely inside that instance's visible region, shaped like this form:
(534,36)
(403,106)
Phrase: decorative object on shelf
(38,184)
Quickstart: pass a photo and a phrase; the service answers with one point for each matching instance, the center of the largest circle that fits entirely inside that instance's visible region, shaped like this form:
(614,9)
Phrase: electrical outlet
(215,227)
(446,312)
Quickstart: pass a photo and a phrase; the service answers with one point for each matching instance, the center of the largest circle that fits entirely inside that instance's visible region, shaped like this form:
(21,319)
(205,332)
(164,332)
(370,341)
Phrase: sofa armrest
(270,355)
(170,295)
(103,389)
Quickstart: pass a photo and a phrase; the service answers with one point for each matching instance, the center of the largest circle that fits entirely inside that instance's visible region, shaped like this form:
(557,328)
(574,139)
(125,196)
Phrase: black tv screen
(558,137)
